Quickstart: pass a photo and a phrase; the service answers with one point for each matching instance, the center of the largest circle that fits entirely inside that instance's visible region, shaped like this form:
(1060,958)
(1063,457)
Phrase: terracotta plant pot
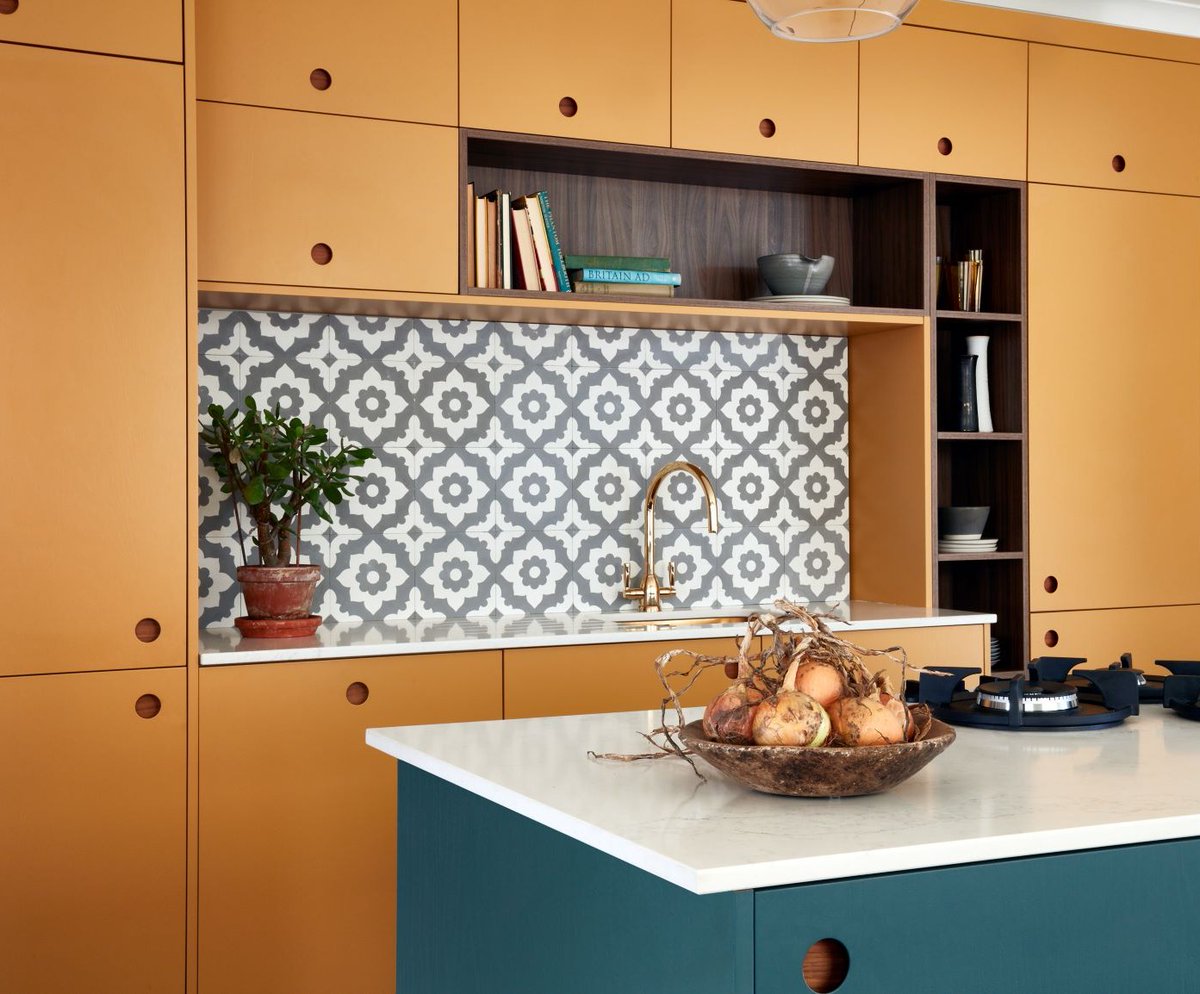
(279,591)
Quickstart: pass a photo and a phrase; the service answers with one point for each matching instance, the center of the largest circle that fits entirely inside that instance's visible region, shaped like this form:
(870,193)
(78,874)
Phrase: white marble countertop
(389,638)
(992,795)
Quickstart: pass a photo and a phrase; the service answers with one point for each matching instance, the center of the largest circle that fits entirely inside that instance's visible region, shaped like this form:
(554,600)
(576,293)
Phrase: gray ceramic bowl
(791,273)
(965,521)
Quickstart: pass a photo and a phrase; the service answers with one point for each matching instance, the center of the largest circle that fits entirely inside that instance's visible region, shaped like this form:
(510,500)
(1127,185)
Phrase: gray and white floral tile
(512,461)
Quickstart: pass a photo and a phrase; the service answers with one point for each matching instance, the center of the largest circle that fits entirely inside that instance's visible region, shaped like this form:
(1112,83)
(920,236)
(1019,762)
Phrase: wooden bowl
(833,771)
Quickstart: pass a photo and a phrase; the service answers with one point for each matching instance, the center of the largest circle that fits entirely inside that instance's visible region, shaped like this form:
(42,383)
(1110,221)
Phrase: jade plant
(277,467)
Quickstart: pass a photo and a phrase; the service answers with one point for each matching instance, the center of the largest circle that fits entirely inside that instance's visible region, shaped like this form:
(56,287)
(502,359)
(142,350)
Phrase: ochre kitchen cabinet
(943,102)
(950,645)
(598,70)
(737,88)
(297,816)
(92,828)
(94,413)
(1150,633)
(146,29)
(590,679)
(322,200)
(375,58)
(1117,121)
(1114,454)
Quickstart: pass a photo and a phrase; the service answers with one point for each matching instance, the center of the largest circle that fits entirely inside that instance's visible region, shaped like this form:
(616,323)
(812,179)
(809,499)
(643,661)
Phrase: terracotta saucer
(277,628)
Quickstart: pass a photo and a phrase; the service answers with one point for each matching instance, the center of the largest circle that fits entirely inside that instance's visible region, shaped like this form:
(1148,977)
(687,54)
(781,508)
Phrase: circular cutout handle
(826,966)
(357,693)
(9,6)
(1050,584)
(766,128)
(321,254)
(1118,163)
(1050,638)
(147,706)
(147,630)
(567,107)
(945,146)
(320,79)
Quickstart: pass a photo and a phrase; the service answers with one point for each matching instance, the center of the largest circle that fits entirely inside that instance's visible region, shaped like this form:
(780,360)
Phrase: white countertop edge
(814,869)
(940,855)
(278,651)
(574,828)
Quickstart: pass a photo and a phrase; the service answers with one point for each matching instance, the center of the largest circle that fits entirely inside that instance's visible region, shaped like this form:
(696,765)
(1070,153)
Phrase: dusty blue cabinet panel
(490,902)
(1109,920)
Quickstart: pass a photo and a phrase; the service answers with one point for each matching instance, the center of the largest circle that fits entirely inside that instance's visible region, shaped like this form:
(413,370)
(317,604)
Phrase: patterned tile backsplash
(512,461)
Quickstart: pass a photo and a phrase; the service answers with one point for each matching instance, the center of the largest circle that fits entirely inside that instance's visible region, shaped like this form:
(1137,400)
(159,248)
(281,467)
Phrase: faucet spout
(651,592)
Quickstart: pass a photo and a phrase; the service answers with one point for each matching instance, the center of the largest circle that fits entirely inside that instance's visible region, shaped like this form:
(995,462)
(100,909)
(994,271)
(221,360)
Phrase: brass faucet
(651,592)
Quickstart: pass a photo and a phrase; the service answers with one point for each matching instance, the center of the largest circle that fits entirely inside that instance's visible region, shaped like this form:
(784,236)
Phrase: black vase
(968,404)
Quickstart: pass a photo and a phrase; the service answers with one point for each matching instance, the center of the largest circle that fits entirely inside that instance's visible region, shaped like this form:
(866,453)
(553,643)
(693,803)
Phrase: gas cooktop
(1091,699)
(1181,693)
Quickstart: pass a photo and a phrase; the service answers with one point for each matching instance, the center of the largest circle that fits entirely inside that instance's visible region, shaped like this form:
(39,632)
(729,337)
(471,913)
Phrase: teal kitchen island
(1015,863)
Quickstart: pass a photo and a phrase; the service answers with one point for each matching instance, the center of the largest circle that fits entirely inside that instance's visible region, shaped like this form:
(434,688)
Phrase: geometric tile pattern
(512,461)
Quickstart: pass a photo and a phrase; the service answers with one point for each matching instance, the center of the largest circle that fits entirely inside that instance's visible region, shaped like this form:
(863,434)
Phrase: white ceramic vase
(977,346)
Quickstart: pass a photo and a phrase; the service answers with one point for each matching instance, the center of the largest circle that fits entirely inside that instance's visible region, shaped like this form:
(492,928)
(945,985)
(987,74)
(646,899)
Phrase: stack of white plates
(995,654)
(806,298)
(964,544)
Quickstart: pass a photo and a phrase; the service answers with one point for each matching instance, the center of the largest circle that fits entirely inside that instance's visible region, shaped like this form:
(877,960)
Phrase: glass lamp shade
(831,20)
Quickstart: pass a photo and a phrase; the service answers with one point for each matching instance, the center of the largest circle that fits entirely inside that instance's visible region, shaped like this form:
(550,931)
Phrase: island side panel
(1107,920)
(491,901)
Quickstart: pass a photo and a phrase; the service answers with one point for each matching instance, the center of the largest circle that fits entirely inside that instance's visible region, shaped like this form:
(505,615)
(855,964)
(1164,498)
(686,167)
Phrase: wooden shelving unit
(976,468)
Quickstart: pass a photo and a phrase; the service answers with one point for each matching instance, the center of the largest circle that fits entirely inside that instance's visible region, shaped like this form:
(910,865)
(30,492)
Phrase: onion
(900,710)
(823,682)
(865,721)
(728,717)
(790,719)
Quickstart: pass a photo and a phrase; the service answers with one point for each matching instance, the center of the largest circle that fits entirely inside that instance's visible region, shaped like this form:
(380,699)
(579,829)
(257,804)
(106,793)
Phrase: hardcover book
(647,263)
(592,274)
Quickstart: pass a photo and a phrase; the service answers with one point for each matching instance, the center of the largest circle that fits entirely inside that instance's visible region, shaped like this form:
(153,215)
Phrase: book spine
(629,289)
(593,275)
(506,254)
(470,208)
(480,246)
(646,263)
(541,242)
(556,255)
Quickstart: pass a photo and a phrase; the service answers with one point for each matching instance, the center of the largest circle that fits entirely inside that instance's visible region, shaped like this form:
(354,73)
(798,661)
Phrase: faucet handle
(626,579)
(670,572)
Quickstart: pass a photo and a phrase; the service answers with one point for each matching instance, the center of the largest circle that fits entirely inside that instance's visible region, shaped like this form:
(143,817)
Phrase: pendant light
(831,20)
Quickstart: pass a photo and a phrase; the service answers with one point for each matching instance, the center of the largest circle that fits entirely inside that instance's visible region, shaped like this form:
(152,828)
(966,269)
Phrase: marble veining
(991,795)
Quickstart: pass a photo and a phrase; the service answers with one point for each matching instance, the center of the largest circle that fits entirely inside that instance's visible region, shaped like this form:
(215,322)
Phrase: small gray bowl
(789,273)
(963,521)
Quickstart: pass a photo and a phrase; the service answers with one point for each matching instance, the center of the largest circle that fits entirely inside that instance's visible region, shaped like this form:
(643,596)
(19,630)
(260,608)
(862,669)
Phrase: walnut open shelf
(984,468)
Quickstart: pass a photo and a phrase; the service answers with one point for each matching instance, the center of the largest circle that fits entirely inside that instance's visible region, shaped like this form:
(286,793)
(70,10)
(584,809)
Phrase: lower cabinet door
(1149,633)
(594,679)
(297,863)
(956,645)
(93,841)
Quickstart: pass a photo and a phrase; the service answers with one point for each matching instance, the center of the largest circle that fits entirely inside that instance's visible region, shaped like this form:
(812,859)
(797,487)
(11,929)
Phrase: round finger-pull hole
(9,6)
(567,107)
(1050,638)
(320,79)
(1050,584)
(945,146)
(147,706)
(731,671)
(766,128)
(1118,163)
(321,254)
(358,692)
(826,965)
(147,630)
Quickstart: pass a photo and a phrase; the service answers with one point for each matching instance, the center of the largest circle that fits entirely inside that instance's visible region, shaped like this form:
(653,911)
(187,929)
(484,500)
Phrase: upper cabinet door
(737,88)
(1114,121)
(321,200)
(146,29)
(95,419)
(597,70)
(1114,461)
(373,58)
(942,102)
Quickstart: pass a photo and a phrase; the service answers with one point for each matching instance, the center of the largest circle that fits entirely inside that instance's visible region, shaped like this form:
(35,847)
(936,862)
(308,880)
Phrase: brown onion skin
(865,721)
(729,716)
(790,719)
(900,710)
(823,682)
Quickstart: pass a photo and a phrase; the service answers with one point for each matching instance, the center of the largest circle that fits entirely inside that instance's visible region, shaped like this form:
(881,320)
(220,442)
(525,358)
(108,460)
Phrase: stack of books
(636,275)
(512,242)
